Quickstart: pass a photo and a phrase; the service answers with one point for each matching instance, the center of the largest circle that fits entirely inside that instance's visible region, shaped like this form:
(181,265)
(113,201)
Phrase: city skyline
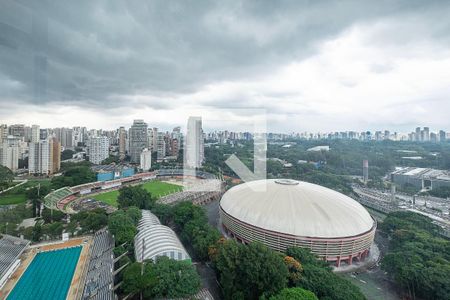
(375,65)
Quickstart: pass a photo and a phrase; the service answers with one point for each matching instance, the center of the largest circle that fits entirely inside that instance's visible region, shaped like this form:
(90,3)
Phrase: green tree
(6,177)
(37,233)
(135,196)
(318,278)
(176,279)
(74,175)
(122,227)
(134,213)
(250,271)
(36,194)
(67,154)
(50,216)
(294,294)
(135,281)
(111,159)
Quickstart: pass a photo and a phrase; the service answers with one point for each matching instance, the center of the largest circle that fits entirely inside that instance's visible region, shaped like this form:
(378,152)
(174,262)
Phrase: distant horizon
(207,130)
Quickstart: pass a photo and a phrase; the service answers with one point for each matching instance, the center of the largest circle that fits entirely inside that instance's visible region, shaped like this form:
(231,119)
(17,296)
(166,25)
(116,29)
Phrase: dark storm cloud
(101,53)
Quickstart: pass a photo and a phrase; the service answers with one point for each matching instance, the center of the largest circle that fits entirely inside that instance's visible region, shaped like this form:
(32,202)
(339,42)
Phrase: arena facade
(282,213)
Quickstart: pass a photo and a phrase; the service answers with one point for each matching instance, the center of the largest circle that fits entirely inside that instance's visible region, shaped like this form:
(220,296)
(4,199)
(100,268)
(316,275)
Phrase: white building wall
(98,149)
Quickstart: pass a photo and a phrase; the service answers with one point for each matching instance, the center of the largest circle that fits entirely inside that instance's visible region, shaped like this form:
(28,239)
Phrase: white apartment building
(98,149)
(40,157)
(35,133)
(146,159)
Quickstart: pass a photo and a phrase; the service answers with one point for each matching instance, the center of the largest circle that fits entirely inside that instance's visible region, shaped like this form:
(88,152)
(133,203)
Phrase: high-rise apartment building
(194,143)
(122,142)
(160,147)
(138,139)
(10,152)
(98,149)
(154,145)
(65,137)
(17,130)
(418,135)
(56,157)
(146,159)
(35,134)
(442,135)
(40,158)
(3,132)
(426,134)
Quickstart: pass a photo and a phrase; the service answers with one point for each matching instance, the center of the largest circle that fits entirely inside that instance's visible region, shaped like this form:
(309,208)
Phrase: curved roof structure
(147,219)
(154,239)
(296,208)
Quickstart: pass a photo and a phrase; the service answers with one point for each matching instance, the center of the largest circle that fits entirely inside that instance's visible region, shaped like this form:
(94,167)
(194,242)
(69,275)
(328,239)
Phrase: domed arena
(282,213)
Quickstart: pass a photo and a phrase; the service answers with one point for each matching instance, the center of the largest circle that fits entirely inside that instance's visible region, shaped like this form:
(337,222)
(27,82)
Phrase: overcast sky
(311,65)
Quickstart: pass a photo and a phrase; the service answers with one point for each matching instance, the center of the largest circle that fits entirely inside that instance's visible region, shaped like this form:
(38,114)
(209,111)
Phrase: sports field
(156,188)
(48,276)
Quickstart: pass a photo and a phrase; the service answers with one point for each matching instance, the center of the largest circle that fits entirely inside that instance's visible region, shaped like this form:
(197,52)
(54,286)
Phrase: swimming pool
(48,276)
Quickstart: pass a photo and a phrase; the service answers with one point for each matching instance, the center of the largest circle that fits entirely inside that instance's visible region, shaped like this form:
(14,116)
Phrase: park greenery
(73,174)
(418,258)
(135,196)
(332,168)
(294,294)
(6,178)
(164,278)
(20,193)
(67,154)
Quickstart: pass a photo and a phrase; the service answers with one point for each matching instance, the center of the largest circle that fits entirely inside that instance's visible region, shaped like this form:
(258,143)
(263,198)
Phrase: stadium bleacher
(99,278)
(10,250)
(52,199)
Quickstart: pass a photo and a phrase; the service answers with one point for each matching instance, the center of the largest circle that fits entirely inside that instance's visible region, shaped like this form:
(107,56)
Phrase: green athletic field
(156,188)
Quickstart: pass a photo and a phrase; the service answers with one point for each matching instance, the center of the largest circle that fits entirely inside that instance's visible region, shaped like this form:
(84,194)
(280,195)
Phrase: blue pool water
(48,276)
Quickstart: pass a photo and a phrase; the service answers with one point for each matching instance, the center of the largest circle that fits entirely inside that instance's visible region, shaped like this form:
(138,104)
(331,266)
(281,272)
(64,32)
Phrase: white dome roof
(297,208)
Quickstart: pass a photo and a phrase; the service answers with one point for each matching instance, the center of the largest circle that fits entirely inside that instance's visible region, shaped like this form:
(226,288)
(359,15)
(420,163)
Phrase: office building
(138,139)
(146,160)
(98,149)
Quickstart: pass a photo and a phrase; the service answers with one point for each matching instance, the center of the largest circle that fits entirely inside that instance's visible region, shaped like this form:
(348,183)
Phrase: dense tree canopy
(67,154)
(418,258)
(294,294)
(192,225)
(176,279)
(135,196)
(122,227)
(135,281)
(318,278)
(6,177)
(74,175)
(249,271)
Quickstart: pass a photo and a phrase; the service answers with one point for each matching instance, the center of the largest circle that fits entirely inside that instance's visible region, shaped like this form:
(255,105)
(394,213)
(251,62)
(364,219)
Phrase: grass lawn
(18,195)
(12,199)
(156,188)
